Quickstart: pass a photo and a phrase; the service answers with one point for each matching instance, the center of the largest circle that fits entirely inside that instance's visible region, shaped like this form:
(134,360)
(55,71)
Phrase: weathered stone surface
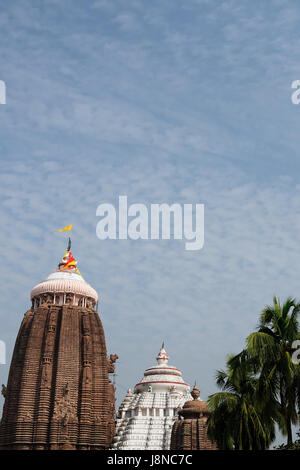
(58,394)
(189,431)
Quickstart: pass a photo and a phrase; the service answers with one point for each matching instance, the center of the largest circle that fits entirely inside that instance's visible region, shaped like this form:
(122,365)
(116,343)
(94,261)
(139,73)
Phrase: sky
(164,102)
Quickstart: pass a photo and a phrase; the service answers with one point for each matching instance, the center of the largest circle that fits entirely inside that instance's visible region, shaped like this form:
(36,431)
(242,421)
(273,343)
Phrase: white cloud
(164,104)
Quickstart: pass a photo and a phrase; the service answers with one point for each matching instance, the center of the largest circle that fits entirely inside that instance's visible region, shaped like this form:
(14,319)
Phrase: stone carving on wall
(65,408)
(45,379)
(111,363)
(47,299)
(66,390)
(87,375)
(69,299)
(26,417)
(52,324)
(3,391)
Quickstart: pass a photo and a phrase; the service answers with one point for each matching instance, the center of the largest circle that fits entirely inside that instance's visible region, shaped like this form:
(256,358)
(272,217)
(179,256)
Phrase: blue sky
(162,101)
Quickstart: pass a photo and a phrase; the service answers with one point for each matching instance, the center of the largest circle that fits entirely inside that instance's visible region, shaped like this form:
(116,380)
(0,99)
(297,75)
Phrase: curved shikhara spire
(59,395)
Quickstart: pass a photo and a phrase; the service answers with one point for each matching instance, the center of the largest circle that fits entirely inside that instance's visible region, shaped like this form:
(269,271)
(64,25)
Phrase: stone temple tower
(146,416)
(58,394)
(189,431)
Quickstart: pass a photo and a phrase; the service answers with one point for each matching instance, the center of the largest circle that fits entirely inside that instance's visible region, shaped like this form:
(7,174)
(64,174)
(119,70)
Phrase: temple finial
(162,357)
(68,262)
(195,392)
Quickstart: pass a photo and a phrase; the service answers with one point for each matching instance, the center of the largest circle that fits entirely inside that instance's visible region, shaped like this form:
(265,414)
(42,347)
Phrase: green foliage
(271,348)
(260,386)
(235,422)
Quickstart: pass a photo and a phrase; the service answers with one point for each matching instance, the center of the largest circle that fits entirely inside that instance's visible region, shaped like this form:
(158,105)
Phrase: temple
(189,431)
(146,416)
(59,395)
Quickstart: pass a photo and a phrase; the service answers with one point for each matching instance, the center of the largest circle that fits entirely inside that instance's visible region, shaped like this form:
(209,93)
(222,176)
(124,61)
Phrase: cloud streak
(187,104)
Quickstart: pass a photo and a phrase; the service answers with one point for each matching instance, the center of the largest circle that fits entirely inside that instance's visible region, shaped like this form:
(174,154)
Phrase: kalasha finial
(69,244)
(195,392)
(163,345)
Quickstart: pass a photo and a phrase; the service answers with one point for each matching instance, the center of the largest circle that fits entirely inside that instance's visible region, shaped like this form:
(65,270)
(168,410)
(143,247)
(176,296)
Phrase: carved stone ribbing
(189,432)
(58,394)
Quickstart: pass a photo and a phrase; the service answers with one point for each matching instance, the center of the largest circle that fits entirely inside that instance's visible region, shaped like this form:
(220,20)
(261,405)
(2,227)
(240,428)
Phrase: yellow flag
(69,227)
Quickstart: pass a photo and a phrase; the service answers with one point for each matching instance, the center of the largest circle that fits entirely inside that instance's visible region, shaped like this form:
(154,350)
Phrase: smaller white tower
(145,417)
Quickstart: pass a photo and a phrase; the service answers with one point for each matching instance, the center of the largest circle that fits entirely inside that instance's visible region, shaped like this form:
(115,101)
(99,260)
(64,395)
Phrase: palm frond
(262,346)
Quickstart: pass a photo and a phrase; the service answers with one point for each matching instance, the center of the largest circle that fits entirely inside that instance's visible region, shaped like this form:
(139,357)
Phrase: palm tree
(236,421)
(270,347)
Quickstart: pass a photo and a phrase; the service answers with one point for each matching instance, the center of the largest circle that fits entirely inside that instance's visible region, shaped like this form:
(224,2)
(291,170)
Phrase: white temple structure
(146,416)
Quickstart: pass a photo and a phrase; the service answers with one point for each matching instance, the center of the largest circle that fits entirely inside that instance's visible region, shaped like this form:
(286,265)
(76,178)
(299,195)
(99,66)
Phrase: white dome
(61,282)
(145,418)
(162,377)
(66,275)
